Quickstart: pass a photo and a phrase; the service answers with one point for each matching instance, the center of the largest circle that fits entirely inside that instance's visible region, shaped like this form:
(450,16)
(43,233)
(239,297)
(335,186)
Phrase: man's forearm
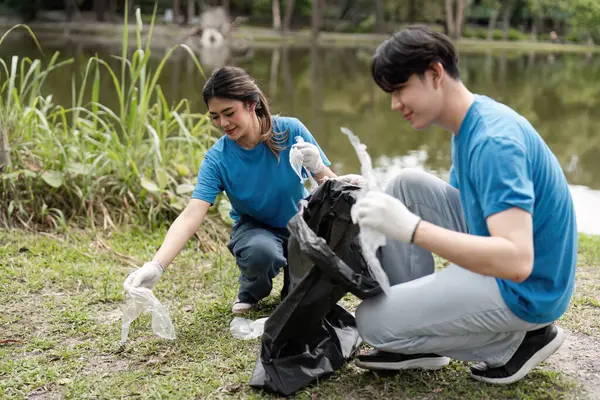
(492,256)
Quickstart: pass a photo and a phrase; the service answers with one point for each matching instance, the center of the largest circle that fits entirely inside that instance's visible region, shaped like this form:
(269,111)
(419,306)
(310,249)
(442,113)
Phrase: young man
(506,223)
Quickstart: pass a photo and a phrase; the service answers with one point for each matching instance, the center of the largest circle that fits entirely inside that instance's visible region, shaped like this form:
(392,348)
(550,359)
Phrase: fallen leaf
(64,381)
(230,388)
(7,341)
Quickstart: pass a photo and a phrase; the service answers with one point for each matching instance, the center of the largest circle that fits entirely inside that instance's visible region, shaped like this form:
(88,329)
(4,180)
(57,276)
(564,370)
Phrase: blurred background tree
(548,20)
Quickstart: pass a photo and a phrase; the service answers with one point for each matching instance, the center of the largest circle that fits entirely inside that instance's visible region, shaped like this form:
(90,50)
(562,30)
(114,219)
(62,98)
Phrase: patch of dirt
(104,365)
(578,357)
(109,317)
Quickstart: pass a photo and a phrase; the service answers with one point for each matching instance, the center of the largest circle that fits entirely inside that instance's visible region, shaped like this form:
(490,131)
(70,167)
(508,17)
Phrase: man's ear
(437,74)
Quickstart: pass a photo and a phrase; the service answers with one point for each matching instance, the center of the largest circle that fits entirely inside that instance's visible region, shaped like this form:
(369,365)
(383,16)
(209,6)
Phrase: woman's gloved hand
(311,157)
(146,276)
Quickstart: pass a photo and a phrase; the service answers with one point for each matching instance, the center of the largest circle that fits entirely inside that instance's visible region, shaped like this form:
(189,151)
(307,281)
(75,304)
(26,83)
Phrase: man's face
(418,100)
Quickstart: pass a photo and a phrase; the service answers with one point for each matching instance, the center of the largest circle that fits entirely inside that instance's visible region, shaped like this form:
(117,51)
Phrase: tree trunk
(4,152)
(460,14)
(70,9)
(191,10)
(412,10)
(506,19)
(534,28)
(379,16)
(100,8)
(492,23)
(274,73)
(226,5)
(276,9)
(450,18)
(176,7)
(289,11)
(112,10)
(316,18)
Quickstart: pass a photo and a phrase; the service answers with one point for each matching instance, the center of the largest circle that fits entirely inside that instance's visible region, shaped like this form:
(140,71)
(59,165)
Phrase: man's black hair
(409,51)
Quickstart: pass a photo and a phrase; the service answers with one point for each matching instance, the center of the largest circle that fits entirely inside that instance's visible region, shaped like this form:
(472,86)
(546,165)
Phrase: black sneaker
(382,360)
(537,346)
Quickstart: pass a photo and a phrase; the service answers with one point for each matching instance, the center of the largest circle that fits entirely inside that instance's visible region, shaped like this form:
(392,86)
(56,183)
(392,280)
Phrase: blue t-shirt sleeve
(298,129)
(501,176)
(209,183)
(453,181)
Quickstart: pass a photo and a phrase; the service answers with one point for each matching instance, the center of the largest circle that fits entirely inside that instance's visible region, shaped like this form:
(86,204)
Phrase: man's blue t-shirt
(499,161)
(256,182)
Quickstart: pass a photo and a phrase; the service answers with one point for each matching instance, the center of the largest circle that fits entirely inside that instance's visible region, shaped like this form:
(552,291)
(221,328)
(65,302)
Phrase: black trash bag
(308,336)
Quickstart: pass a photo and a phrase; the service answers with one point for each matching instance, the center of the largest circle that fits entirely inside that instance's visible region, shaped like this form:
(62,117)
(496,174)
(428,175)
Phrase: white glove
(146,276)
(352,179)
(385,214)
(311,157)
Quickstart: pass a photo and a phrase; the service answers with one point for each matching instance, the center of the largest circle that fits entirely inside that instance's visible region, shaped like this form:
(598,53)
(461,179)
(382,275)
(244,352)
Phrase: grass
(61,296)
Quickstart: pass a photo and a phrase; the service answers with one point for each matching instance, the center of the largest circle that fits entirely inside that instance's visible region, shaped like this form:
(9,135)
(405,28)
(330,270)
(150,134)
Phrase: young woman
(250,162)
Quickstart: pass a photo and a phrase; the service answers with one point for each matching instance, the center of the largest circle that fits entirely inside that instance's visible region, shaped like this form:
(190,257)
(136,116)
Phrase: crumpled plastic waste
(141,300)
(296,160)
(370,240)
(243,328)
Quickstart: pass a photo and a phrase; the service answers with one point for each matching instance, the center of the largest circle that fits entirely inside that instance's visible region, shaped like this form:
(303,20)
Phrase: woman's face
(235,118)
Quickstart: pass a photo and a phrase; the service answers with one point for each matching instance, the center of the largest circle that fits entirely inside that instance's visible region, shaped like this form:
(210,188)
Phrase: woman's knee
(260,254)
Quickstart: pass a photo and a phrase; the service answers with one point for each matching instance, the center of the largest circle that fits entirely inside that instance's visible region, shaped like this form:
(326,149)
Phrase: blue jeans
(260,251)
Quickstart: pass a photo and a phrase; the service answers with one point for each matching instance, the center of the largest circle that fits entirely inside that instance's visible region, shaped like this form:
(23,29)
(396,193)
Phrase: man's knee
(405,180)
(259,254)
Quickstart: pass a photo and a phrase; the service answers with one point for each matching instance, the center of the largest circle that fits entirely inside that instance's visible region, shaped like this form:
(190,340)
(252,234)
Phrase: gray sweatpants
(454,312)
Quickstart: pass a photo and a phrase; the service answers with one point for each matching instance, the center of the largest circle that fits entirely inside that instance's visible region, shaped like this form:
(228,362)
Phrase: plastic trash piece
(296,160)
(141,300)
(309,336)
(242,328)
(370,240)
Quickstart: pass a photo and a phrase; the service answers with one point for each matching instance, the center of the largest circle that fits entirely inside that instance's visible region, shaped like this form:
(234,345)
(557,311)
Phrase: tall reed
(90,164)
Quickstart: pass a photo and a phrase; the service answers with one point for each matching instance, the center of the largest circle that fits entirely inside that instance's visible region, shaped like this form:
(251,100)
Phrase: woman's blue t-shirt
(256,182)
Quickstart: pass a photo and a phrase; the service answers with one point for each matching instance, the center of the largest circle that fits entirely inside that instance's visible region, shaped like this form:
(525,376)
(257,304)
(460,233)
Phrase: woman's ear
(250,106)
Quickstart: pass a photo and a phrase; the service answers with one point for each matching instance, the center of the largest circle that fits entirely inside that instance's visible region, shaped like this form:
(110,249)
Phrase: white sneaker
(241,308)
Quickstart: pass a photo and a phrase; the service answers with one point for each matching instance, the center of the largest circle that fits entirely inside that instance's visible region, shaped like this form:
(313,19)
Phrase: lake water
(327,88)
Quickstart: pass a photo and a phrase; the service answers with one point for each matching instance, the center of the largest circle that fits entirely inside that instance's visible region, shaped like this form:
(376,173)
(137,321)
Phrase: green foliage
(135,162)
(515,34)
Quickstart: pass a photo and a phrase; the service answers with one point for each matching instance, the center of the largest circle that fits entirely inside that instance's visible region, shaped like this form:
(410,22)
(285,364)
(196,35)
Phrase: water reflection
(327,88)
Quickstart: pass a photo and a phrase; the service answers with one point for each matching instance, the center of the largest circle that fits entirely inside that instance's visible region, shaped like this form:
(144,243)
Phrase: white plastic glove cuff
(386,215)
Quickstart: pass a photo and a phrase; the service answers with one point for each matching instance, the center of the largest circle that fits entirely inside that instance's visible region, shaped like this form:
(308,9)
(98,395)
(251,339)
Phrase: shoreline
(255,37)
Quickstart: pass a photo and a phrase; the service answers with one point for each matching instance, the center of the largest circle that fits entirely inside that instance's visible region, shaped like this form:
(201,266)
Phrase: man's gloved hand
(311,157)
(146,276)
(386,214)
(352,179)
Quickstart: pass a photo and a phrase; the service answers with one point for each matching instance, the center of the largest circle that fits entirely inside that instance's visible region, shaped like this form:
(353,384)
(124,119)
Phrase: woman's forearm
(327,173)
(180,232)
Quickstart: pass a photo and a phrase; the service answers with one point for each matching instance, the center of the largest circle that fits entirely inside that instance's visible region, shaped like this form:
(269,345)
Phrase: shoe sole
(530,364)
(433,363)
(242,312)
